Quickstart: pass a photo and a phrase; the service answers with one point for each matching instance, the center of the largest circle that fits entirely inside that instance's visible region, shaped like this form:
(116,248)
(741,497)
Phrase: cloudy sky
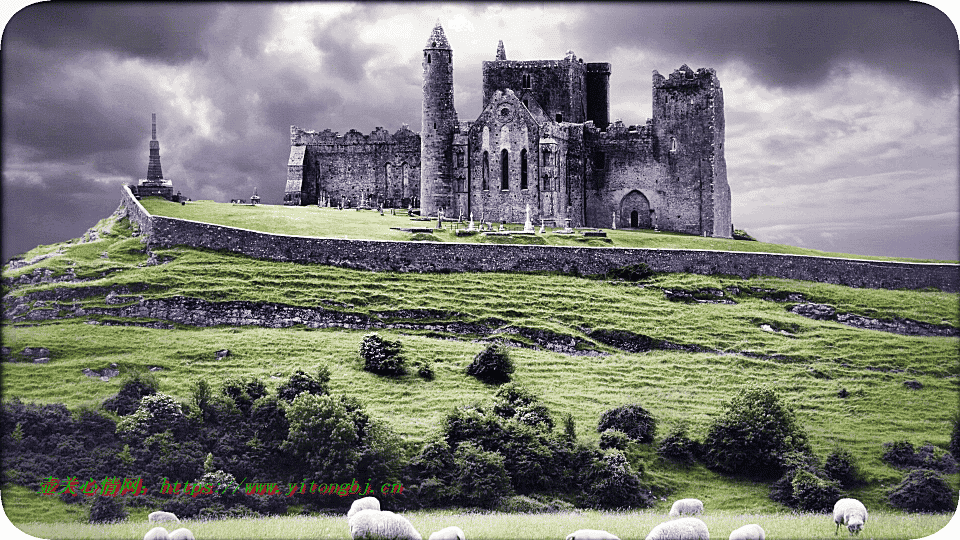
(842,119)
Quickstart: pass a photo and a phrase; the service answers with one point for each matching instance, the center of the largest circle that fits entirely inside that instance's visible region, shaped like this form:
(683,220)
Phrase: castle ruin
(543,139)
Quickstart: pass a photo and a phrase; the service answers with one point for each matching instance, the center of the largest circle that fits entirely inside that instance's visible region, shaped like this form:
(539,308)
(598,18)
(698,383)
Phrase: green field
(370,225)
(809,367)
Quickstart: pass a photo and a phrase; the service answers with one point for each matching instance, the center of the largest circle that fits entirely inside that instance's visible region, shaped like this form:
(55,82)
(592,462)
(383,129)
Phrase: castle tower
(154,173)
(439,126)
(689,127)
(598,93)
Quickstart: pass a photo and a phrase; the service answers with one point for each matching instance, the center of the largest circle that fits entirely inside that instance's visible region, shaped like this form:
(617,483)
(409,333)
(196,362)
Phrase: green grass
(496,526)
(808,369)
(370,225)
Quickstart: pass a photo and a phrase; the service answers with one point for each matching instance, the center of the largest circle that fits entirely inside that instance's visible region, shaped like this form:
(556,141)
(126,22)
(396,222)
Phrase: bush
(481,476)
(923,490)
(492,365)
(133,387)
(611,483)
(107,509)
(613,439)
(424,370)
(840,467)
(514,401)
(301,382)
(244,391)
(382,356)
(955,438)
(813,493)
(754,435)
(900,454)
(679,448)
(633,420)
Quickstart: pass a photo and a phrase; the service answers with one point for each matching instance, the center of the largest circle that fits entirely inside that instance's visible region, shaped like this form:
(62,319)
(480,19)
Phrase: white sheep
(749,532)
(688,528)
(366,503)
(182,534)
(849,512)
(381,524)
(591,534)
(686,506)
(160,517)
(450,533)
(157,533)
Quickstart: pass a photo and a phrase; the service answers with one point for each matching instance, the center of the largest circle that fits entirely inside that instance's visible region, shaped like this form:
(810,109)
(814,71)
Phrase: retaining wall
(378,255)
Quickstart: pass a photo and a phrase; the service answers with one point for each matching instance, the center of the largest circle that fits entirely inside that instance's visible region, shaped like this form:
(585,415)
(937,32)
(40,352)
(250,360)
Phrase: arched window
(485,171)
(428,58)
(523,169)
(504,169)
(526,80)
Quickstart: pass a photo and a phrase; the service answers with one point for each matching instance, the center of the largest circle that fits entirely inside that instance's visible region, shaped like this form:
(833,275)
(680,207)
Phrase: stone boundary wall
(380,255)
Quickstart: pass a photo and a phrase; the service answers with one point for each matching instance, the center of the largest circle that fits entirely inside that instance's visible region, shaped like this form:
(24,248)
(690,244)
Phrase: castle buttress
(543,139)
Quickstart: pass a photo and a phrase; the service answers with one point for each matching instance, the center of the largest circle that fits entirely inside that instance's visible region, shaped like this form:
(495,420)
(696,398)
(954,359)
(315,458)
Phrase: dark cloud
(787,44)
(172,33)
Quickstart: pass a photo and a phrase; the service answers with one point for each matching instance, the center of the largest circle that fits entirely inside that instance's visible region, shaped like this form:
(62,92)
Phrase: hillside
(681,345)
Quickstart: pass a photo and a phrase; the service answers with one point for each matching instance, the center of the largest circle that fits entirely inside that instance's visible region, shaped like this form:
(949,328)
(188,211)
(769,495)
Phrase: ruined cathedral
(543,140)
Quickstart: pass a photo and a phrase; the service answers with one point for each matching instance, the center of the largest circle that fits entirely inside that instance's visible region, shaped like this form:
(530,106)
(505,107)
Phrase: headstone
(527,226)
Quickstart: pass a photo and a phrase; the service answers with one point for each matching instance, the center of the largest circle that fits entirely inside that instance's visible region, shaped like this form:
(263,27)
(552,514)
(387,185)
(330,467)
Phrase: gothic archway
(635,211)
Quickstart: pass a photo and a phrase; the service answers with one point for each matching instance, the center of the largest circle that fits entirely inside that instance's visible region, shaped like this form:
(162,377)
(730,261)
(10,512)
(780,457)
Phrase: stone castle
(543,141)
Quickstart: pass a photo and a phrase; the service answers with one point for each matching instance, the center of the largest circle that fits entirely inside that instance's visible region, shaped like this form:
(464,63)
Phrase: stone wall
(377,255)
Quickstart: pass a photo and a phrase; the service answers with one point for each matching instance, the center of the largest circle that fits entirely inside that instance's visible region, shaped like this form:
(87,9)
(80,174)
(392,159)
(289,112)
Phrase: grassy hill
(845,383)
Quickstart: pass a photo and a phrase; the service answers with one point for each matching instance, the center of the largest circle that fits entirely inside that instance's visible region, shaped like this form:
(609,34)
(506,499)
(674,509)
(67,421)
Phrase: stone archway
(635,211)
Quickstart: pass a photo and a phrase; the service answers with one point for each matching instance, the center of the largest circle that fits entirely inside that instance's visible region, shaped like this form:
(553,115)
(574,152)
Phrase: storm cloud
(836,131)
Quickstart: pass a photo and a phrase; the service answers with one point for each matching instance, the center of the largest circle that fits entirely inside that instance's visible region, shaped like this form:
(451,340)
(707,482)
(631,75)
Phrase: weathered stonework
(544,139)
(380,255)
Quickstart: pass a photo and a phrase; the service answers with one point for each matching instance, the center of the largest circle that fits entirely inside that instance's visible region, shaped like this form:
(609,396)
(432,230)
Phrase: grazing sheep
(381,524)
(450,533)
(686,506)
(157,533)
(160,517)
(366,503)
(849,512)
(182,534)
(748,532)
(591,534)
(687,528)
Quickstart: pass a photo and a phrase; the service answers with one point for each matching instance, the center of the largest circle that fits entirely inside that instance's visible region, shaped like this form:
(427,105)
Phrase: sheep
(366,503)
(160,517)
(381,524)
(182,534)
(686,506)
(591,534)
(450,533)
(157,533)
(849,512)
(688,528)
(748,532)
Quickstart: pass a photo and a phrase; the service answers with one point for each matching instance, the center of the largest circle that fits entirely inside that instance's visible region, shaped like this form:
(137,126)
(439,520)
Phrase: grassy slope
(333,223)
(674,386)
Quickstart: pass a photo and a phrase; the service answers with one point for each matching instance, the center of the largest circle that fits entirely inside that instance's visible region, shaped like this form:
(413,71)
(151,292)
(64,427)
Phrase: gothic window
(504,169)
(485,171)
(428,58)
(523,169)
(526,80)
(559,117)
(545,157)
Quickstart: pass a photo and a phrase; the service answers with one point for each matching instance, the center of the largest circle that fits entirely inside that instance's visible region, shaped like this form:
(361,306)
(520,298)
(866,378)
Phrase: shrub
(931,457)
(514,401)
(133,387)
(677,447)
(244,391)
(106,509)
(300,382)
(613,439)
(633,420)
(900,454)
(955,438)
(922,490)
(382,356)
(481,476)
(754,435)
(492,365)
(569,428)
(322,437)
(612,483)
(424,370)
(840,467)
(813,493)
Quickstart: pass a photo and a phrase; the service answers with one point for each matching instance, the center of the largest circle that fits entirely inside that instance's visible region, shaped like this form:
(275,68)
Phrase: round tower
(439,126)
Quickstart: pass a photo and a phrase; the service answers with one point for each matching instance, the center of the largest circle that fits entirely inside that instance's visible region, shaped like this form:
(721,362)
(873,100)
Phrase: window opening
(504,169)
(523,169)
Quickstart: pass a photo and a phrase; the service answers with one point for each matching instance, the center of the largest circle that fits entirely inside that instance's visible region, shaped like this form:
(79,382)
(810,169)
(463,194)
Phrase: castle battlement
(686,77)
(302,137)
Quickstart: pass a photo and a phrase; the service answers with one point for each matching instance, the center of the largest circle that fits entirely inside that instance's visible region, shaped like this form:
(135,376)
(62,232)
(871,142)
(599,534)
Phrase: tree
(631,419)
(492,365)
(382,356)
(322,437)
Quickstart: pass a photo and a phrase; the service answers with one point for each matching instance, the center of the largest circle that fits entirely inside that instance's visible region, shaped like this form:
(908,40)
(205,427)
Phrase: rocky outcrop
(906,327)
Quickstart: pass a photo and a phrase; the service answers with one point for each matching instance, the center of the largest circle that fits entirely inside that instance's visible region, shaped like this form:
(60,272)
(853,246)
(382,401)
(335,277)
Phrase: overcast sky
(841,119)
